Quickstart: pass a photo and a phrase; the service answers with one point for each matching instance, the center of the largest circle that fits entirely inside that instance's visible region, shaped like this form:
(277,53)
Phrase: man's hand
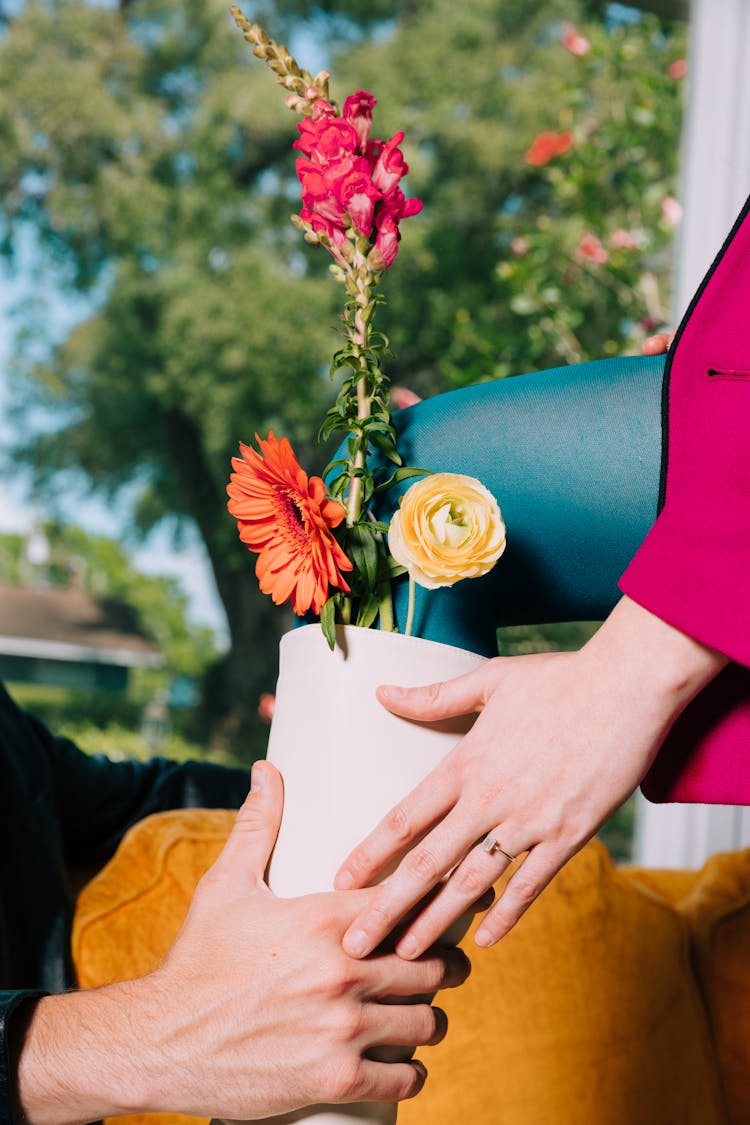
(255,1011)
(561,739)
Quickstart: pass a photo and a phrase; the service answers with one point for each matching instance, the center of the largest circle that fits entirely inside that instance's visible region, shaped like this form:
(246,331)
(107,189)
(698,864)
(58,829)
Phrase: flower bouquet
(333,545)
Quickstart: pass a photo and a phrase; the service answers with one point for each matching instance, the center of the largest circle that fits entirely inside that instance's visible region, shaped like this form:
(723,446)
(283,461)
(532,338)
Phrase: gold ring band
(491,846)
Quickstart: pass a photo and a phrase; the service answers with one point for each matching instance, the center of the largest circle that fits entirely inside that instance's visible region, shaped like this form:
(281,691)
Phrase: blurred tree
(150,155)
(516,264)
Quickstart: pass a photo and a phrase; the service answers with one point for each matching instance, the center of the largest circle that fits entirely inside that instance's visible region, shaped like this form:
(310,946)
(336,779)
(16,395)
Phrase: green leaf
(402,474)
(337,487)
(364,553)
(385,445)
(394,569)
(368,490)
(368,611)
(328,621)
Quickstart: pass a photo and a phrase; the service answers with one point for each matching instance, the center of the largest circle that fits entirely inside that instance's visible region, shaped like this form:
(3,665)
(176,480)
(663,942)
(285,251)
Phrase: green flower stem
(385,600)
(354,502)
(410,609)
(360,337)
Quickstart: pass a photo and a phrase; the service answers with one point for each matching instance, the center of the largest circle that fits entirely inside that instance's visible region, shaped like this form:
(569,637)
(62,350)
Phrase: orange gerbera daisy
(287,520)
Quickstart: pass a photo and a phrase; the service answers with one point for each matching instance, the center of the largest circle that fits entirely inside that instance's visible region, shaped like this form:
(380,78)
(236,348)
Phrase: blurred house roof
(56,623)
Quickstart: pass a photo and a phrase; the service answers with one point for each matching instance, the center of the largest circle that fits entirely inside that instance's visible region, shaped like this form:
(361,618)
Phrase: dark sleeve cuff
(9,1003)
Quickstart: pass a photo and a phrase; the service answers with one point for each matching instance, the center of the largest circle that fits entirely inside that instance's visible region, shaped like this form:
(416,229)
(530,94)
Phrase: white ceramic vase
(346,761)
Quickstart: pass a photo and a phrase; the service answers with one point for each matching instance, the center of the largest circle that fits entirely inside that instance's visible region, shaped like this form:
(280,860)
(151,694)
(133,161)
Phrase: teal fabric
(573,457)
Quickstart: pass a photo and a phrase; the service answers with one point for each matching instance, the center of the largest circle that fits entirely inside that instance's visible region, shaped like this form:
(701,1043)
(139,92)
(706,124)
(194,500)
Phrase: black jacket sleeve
(9,1002)
(98,799)
(61,808)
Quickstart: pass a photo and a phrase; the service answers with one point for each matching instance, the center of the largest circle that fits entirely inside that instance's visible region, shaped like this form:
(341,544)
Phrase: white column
(715,183)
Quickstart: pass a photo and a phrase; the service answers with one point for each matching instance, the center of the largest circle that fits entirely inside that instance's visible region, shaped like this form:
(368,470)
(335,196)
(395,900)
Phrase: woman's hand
(560,741)
(658,344)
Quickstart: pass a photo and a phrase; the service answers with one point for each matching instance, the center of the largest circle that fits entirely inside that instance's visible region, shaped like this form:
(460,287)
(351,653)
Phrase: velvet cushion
(718,909)
(587,1013)
(128,916)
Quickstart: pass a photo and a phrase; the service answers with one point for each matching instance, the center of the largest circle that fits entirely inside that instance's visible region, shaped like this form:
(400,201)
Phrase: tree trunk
(230,706)
(250,668)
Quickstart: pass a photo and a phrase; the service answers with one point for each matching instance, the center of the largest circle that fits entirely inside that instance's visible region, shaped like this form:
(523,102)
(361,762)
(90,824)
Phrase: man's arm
(255,1011)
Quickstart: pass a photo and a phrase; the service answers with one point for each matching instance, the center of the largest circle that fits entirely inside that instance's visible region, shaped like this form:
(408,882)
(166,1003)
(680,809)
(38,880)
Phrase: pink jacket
(693,568)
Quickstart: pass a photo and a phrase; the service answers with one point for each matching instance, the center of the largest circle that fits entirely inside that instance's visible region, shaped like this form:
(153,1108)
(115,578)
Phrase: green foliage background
(148,155)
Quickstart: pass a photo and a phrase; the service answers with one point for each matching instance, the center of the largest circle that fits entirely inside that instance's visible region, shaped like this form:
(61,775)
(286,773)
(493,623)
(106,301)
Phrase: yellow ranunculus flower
(448,527)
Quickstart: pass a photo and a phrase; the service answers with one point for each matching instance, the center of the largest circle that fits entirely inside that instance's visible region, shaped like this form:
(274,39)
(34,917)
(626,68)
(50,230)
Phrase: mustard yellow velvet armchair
(621,998)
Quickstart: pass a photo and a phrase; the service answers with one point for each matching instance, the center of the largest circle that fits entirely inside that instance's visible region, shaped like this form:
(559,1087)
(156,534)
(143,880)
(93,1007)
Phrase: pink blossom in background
(266,705)
(401,397)
(622,239)
(591,248)
(677,69)
(574,42)
(546,146)
(519,245)
(671,210)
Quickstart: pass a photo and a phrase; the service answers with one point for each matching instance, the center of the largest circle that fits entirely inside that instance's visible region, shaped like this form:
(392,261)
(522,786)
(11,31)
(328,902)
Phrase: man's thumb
(256,827)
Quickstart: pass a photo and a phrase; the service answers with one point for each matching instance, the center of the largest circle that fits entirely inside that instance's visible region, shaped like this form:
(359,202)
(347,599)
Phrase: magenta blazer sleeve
(693,568)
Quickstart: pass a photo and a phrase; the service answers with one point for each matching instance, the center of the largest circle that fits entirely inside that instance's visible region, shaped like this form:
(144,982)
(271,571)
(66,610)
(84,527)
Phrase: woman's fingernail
(407,947)
(484,938)
(356,943)
(391,691)
(344,881)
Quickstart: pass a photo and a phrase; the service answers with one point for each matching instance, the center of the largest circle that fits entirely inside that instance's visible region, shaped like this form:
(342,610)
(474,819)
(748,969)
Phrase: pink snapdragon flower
(389,164)
(341,192)
(357,111)
(326,140)
(393,209)
(350,182)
